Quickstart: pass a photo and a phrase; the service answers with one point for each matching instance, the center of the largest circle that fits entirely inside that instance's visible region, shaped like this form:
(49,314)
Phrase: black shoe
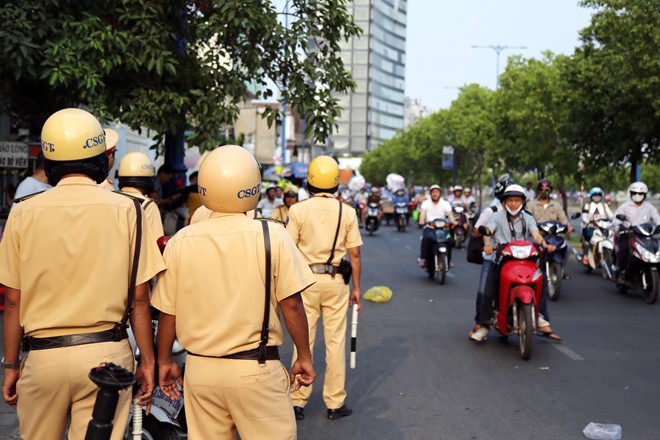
(299,411)
(344,411)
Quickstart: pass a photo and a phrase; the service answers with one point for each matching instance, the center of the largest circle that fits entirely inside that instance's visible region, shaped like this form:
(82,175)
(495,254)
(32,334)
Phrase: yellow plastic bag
(379,294)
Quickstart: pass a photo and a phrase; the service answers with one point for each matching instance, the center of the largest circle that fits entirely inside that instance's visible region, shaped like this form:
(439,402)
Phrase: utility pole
(498,49)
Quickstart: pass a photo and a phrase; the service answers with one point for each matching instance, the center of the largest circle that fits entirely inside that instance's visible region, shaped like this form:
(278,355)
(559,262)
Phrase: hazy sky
(440,33)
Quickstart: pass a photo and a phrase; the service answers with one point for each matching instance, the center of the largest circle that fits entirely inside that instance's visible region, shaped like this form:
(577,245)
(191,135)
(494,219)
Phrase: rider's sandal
(549,334)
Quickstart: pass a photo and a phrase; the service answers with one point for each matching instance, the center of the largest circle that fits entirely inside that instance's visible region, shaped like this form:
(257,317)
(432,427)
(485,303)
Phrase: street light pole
(498,49)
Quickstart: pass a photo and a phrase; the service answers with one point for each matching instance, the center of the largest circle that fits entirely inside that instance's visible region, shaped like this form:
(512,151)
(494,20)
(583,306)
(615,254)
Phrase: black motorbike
(552,263)
(438,262)
(643,261)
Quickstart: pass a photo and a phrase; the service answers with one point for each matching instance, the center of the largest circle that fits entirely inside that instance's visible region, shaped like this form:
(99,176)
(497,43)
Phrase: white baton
(354,323)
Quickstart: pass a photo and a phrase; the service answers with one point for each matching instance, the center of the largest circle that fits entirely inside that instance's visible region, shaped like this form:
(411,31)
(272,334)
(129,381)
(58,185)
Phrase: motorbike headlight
(443,249)
(521,252)
(647,256)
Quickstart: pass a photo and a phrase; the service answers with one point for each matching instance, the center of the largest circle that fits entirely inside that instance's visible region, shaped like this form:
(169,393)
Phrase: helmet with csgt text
(111,140)
(323,174)
(72,134)
(229,180)
(514,190)
(136,164)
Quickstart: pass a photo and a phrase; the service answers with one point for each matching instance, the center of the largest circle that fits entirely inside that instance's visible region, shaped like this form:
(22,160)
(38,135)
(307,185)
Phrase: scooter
(439,261)
(600,248)
(552,263)
(459,230)
(521,285)
(401,213)
(167,417)
(371,222)
(644,261)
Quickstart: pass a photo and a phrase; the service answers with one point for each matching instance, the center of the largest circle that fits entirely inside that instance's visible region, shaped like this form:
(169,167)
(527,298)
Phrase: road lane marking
(568,352)
(409,248)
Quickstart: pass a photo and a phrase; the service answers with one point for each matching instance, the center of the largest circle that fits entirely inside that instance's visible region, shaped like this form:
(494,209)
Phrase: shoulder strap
(264,326)
(29,196)
(148,202)
(136,260)
(334,243)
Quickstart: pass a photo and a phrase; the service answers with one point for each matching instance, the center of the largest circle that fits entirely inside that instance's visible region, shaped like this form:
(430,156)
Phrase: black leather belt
(272,354)
(112,335)
(321,269)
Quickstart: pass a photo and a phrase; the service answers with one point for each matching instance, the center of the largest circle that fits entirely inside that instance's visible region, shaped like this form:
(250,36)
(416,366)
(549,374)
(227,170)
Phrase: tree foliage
(173,65)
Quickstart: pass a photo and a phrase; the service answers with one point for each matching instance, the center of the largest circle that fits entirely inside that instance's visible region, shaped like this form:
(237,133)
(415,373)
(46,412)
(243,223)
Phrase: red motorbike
(521,285)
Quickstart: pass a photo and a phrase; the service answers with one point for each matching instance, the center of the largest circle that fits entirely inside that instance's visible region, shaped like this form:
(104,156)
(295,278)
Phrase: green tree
(172,66)
(531,108)
(614,79)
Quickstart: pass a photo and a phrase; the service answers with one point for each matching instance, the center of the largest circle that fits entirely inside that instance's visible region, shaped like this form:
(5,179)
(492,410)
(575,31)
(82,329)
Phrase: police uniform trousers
(224,397)
(328,297)
(56,380)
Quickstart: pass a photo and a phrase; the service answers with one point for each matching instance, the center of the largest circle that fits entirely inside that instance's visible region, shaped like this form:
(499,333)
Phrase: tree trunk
(633,168)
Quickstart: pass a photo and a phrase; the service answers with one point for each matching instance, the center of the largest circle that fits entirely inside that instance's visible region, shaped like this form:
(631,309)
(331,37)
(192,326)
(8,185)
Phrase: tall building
(414,110)
(377,62)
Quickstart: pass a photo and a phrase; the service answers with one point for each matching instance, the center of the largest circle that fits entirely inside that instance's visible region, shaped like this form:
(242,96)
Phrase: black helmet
(504,181)
(544,184)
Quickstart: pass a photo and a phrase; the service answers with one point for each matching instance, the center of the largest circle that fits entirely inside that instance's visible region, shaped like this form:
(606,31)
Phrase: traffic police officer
(212,299)
(281,213)
(136,176)
(61,293)
(313,226)
(111,139)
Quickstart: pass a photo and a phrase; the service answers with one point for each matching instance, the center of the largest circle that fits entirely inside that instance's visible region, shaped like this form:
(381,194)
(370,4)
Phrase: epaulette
(29,196)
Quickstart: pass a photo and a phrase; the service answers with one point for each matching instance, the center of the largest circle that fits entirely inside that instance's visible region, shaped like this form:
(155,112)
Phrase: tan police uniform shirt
(151,211)
(214,283)
(203,213)
(107,184)
(280,213)
(551,212)
(312,226)
(70,252)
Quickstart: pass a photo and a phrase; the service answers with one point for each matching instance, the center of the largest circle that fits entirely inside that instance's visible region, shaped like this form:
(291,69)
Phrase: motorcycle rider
(436,207)
(400,197)
(592,211)
(457,195)
(374,197)
(503,182)
(468,198)
(636,211)
(507,225)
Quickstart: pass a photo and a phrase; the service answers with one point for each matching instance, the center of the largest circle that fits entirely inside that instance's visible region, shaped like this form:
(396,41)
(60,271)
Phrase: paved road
(419,377)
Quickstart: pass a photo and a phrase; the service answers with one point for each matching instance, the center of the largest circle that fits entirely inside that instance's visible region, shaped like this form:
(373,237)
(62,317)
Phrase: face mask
(512,212)
(637,198)
(596,199)
(544,193)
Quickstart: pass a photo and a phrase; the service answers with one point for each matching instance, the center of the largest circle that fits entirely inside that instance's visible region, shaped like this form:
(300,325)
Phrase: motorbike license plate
(171,407)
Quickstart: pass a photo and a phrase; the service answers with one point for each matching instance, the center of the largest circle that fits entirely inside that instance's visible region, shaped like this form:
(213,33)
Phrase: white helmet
(229,180)
(435,187)
(638,191)
(514,190)
(458,188)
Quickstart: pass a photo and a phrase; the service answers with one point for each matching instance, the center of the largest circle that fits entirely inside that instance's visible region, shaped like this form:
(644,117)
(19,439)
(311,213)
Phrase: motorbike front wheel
(525,330)
(555,275)
(606,264)
(442,268)
(650,293)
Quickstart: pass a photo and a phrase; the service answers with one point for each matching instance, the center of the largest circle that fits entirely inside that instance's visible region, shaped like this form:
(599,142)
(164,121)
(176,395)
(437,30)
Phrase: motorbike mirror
(621,217)
(575,215)
(483,230)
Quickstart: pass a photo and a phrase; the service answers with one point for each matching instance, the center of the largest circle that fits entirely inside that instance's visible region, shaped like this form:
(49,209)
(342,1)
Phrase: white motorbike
(601,248)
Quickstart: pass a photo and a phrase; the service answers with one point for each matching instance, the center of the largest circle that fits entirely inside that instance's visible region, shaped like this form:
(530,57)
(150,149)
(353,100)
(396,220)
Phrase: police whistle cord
(110,379)
(354,324)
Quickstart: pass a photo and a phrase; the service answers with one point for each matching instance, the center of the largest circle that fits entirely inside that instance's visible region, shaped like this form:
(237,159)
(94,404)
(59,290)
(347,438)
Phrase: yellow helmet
(136,164)
(323,174)
(111,139)
(291,190)
(72,134)
(229,180)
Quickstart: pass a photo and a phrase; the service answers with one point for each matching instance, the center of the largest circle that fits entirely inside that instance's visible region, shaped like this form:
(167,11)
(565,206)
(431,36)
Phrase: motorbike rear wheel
(555,276)
(401,223)
(525,330)
(650,294)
